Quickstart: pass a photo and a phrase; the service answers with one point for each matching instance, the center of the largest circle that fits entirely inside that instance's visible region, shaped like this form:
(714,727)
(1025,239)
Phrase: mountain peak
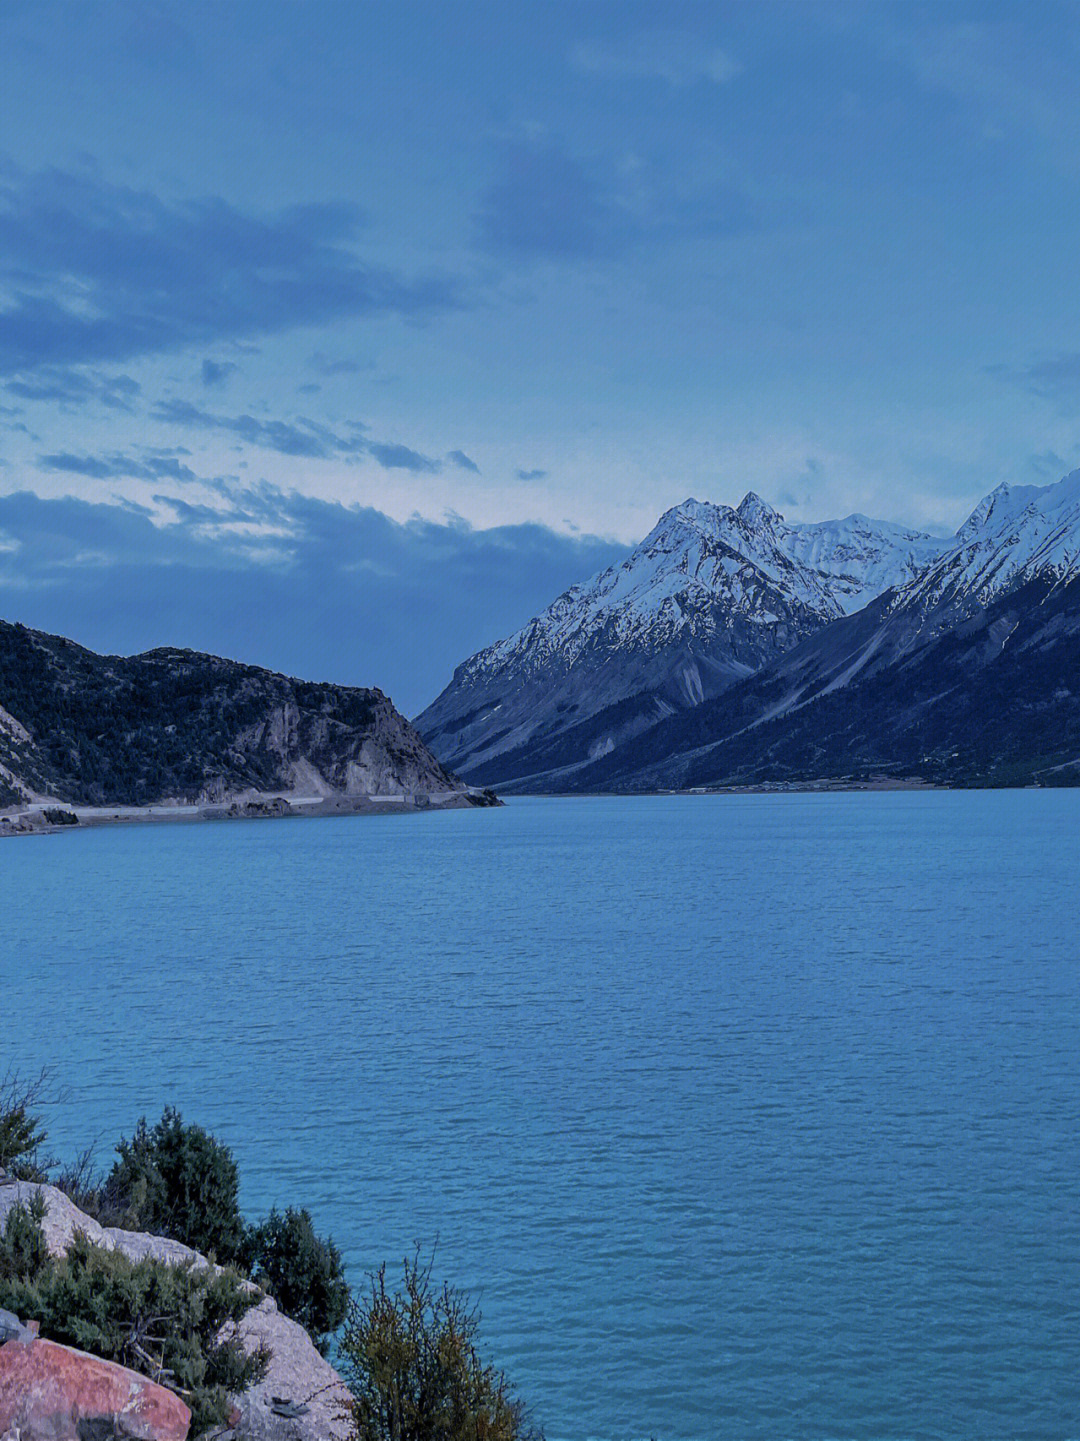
(984,510)
(754,510)
(689,509)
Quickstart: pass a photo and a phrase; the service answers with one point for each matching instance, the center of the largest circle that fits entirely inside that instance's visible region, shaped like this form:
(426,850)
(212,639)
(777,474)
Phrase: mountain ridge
(1019,541)
(710,595)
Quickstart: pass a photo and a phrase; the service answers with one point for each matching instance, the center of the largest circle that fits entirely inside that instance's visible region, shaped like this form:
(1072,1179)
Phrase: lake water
(744,1116)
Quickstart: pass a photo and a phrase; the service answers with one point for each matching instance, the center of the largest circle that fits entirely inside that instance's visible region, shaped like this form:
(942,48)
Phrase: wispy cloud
(117,466)
(75,387)
(216,372)
(546,204)
(543,201)
(400,457)
(1012,74)
(329,365)
(672,56)
(305,438)
(100,272)
(1055,377)
(531,474)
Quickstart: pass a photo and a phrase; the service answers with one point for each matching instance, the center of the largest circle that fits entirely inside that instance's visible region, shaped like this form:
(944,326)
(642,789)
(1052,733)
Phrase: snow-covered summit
(705,566)
(1014,534)
(756,512)
(861,557)
(700,567)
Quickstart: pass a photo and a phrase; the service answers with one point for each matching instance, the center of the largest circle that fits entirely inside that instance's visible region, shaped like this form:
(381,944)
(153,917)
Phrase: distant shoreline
(32,819)
(779,788)
(765,788)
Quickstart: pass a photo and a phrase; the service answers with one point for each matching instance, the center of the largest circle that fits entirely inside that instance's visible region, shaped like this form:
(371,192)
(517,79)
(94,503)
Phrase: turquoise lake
(744,1117)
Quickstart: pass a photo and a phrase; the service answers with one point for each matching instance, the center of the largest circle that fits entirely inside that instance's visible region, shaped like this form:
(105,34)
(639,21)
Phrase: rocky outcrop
(53,1393)
(301,1397)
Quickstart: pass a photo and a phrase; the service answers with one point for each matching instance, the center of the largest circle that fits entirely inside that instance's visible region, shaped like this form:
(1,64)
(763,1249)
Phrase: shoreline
(31,819)
(837,784)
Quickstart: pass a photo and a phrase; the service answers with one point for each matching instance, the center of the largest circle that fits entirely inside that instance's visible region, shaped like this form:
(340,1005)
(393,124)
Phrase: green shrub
(178,1181)
(57,817)
(162,1321)
(21,1135)
(300,1270)
(23,1251)
(411,1363)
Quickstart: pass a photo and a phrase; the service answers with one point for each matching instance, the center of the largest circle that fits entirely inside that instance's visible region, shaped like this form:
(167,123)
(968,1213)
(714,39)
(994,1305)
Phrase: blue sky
(340,337)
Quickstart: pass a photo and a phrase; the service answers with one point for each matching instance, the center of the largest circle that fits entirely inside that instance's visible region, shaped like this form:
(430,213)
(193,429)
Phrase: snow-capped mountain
(966,675)
(709,596)
(696,555)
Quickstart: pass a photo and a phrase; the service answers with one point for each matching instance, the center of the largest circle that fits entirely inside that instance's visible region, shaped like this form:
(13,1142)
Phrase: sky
(341,337)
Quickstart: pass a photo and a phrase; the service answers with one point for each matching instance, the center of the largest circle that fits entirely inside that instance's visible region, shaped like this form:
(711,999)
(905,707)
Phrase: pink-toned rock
(52,1393)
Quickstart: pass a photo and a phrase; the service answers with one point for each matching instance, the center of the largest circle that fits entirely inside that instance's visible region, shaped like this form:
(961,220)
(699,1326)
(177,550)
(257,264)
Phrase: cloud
(1061,372)
(1055,377)
(99,272)
(216,372)
(545,204)
(326,365)
(531,474)
(308,587)
(678,59)
(75,387)
(400,457)
(306,438)
(1010,74)
(1049,465)
(462,461)
(117,466)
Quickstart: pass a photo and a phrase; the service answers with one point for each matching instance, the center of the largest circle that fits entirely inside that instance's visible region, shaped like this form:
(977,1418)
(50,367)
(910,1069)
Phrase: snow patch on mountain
(861,557)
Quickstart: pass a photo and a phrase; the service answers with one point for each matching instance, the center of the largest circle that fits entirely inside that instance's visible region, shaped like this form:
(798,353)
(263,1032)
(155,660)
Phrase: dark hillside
(174,724)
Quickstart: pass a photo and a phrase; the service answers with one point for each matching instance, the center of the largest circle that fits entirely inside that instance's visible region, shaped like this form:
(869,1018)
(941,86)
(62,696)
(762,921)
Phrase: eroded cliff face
(175,725)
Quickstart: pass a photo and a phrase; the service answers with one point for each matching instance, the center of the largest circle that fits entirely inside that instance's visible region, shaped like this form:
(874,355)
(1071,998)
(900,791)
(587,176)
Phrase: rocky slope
(710,596)
(177,726)
(969,674)
(296,1373)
